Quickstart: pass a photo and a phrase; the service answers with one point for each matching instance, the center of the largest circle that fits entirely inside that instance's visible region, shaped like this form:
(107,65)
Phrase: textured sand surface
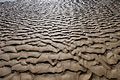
(60,40)
(6,0)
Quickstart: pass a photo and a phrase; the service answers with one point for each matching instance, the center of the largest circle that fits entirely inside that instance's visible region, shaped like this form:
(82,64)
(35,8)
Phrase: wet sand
(60,40)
